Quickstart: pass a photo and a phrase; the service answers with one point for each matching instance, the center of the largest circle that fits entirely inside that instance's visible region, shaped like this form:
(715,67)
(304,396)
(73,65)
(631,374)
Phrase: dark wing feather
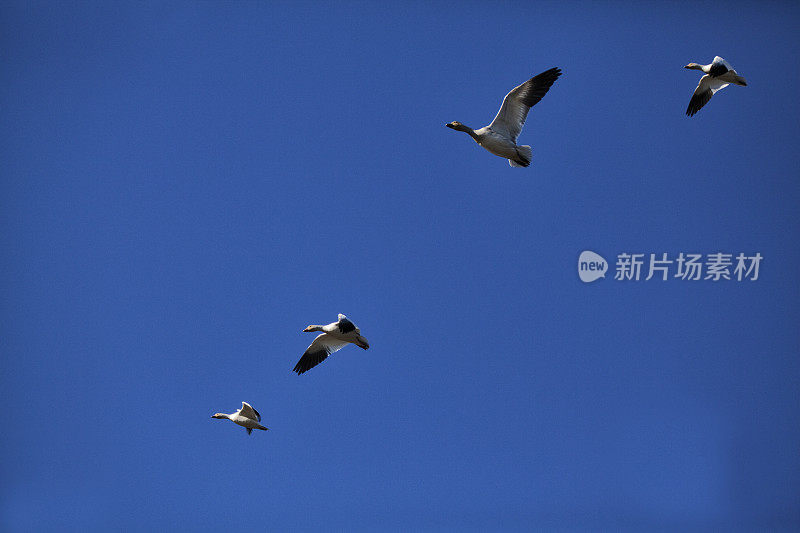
(310,359)
(717,69)
(535,88)
(318,351)
(698,101)
(345,326)
(512,114)
(706,88)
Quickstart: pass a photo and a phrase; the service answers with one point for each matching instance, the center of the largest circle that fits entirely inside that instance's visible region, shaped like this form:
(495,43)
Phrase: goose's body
(500,137)
(333,338)
(247,417)
(718,75)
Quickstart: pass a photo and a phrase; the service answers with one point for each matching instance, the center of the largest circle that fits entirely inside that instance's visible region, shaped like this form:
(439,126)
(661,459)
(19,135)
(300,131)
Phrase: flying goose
(247,417)
(335,336)
(718,75)
(500,137)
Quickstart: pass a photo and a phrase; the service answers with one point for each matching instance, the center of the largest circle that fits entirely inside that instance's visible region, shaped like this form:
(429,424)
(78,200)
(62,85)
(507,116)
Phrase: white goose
(335,336)
(500,137)
(718,75)
(247,417)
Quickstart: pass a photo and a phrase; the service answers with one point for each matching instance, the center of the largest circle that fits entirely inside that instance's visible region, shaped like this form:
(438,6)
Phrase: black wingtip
(555,72)
(301,368)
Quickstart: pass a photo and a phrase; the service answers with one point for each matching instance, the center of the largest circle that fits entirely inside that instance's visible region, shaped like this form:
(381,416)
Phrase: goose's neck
(696,66)
(468,130)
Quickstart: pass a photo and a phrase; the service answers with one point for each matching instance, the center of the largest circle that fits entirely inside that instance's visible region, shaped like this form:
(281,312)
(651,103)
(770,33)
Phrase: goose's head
(361,342)
(219,415)
(694,66)
(312,328)
(455,125)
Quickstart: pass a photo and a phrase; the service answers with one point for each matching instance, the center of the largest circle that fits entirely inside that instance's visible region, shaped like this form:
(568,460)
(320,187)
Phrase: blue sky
(186,187)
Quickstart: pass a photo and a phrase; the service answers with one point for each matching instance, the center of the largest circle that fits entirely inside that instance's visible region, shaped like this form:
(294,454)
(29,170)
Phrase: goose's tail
(738,80)
(523,159)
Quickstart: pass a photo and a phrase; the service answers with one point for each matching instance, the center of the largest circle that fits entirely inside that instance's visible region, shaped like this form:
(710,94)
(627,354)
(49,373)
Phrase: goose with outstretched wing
(333,338)
(718,75)
(500,137)
(247,417)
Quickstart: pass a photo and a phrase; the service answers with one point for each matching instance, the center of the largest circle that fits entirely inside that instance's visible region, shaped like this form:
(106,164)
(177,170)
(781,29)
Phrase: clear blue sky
(186,187)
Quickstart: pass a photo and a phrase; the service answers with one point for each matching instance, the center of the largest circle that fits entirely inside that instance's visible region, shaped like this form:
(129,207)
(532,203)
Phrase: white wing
(718,59)
(518,102)
(247,411)
(318,351)
(703,93)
